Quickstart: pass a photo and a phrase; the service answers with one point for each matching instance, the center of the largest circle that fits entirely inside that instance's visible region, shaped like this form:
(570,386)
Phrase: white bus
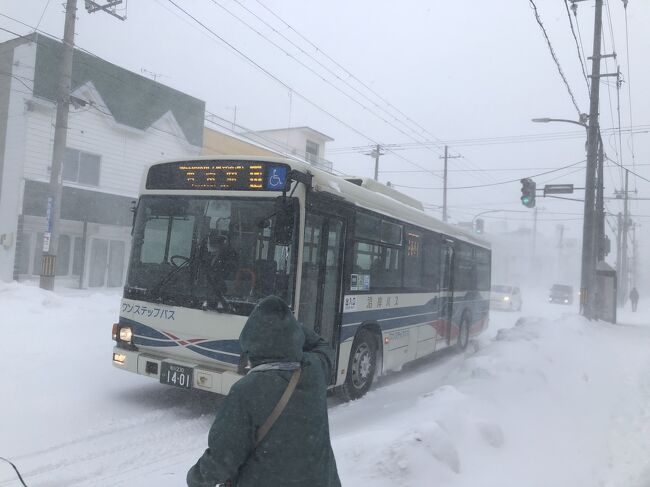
(361,263)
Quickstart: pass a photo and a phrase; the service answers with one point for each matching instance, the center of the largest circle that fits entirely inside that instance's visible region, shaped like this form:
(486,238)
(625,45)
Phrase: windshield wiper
(196,251)
(155,291)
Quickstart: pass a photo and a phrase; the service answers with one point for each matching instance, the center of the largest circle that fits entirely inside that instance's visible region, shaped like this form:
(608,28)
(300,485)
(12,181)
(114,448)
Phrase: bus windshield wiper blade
(155,291)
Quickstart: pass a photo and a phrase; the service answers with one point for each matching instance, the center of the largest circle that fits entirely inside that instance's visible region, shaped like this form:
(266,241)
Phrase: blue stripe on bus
(369,315)
(222,357)
(391,318)
(388,319)
(146,336)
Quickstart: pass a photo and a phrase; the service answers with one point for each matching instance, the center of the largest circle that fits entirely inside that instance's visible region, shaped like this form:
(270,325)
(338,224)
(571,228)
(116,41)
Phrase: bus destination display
(218,175)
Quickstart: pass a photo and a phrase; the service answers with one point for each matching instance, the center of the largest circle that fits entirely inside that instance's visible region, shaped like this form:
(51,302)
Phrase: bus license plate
(176,375)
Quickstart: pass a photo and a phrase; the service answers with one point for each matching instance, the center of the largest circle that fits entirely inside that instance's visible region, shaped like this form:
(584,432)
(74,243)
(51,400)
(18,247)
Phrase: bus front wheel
(362,366)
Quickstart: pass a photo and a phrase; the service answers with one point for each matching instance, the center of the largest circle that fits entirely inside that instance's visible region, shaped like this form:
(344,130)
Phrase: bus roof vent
(376,187)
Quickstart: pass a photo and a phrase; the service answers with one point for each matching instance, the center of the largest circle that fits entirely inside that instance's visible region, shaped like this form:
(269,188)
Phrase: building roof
(303,128)
(132,99)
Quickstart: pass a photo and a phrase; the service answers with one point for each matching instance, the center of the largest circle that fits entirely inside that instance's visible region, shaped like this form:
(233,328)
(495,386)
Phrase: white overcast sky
(461,70)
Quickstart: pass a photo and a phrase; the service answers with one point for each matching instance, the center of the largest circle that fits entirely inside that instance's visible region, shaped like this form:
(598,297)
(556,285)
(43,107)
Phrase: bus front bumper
(201,378)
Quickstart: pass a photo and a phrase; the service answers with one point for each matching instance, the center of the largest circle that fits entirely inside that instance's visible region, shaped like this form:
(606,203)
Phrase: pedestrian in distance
(634,298)
(250,443)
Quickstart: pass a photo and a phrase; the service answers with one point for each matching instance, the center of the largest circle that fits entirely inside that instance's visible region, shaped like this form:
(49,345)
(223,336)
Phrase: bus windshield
(208,253)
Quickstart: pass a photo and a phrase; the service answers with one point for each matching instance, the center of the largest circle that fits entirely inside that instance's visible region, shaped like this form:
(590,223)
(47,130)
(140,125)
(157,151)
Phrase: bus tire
(362,366)
(463,333)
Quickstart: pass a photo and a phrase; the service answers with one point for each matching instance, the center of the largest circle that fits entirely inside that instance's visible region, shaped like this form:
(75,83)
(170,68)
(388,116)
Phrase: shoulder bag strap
(279,407)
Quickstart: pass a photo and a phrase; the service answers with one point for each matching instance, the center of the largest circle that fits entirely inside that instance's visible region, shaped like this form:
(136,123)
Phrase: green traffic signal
(528,192)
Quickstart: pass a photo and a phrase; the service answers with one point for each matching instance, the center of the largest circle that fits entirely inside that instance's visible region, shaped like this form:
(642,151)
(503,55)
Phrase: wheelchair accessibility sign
(276,178)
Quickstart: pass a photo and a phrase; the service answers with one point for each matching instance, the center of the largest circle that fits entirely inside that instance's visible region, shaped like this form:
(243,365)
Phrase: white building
(119,123)
(303,142)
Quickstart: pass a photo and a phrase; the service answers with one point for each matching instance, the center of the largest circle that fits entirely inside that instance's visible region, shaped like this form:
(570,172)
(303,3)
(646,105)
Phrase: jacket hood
(272,334)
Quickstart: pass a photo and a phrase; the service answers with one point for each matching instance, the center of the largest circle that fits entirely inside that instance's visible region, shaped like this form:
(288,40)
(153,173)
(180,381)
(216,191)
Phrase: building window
(311,151)
(81,167)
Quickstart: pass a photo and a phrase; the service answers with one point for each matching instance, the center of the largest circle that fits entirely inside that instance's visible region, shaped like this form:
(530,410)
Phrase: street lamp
(581,122)
(594,152)
(483,213)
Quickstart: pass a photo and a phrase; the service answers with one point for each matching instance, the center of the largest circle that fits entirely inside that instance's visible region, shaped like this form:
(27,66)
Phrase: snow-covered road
(555,401)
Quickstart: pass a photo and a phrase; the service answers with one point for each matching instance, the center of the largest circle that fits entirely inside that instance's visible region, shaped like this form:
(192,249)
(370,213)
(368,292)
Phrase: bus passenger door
(320,287)
(446,288)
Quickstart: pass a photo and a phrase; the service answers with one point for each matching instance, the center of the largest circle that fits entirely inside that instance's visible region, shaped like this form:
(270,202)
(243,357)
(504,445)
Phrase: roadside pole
(446,157)
(624,279)
(55,190)
(588,271)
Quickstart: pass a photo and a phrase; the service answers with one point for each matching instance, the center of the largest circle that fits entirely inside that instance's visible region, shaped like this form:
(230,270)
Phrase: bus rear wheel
(362,367)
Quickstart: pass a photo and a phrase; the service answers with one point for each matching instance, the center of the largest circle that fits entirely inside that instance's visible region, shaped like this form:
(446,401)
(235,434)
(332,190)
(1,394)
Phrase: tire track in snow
(105,454)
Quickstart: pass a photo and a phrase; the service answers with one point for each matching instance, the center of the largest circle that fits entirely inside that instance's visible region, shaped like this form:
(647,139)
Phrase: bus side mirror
(285,217)
(134,210)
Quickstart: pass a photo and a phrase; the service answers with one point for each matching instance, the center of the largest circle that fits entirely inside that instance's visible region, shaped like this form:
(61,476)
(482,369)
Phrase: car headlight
(566,301)
(126,334)
(506,298)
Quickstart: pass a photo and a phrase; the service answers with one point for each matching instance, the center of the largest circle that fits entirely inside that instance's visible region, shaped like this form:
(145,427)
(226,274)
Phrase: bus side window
(431,264)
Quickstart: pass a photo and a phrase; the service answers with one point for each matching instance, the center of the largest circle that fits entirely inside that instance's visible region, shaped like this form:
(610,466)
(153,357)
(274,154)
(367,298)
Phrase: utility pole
(376,152)
(619,240)
(446,157)
(588,273)
(534,234)
(600,206)
(55,190)
(634,257)
(624,279)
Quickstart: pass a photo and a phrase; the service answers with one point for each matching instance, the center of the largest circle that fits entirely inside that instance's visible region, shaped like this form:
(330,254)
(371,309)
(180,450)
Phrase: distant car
(561,293)
(505,297)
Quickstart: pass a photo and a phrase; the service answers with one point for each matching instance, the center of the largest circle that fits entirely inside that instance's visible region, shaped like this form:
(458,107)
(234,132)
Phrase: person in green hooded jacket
(297,451)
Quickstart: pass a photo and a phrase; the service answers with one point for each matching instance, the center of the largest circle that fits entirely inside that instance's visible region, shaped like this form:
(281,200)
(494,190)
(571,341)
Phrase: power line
(497,183)
(582,64)
(10,31)
(312,70)
(438,143)
(628,170)
(38,24)
(345,70)
(501,140)
(557,62)
(282,83)
(629,89)
(310,56)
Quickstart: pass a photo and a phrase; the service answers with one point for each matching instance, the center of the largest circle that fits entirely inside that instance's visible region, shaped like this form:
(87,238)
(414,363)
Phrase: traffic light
(478,226)
(528,191)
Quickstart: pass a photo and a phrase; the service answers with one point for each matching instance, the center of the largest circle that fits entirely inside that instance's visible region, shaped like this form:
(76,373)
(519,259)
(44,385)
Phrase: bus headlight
(506,298)
(126,334)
